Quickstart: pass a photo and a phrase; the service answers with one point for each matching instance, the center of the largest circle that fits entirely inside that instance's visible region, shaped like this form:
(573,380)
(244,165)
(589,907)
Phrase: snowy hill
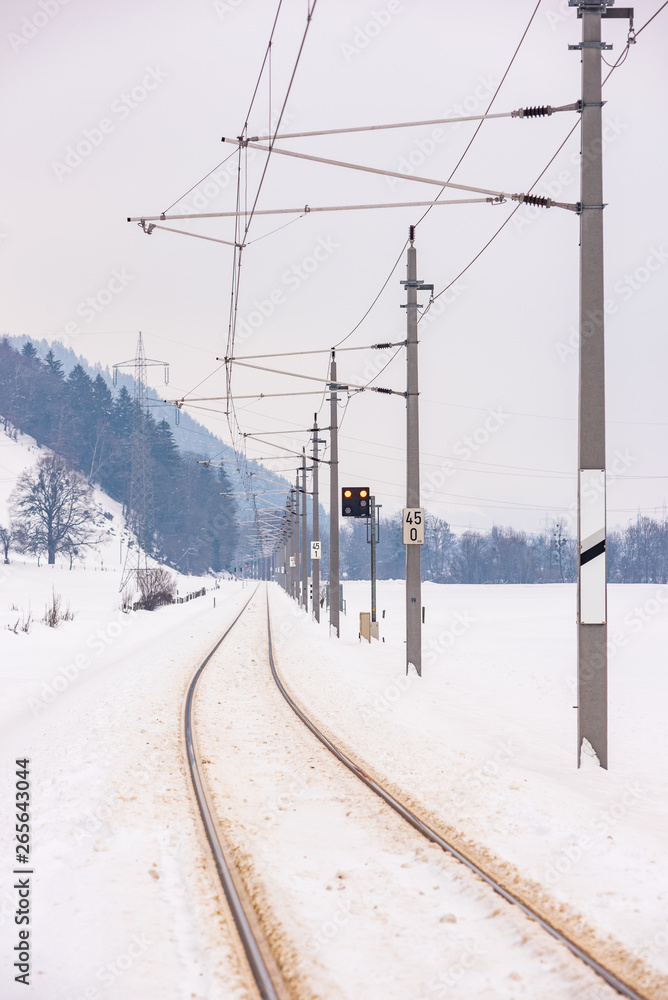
(93,582)
(17,455)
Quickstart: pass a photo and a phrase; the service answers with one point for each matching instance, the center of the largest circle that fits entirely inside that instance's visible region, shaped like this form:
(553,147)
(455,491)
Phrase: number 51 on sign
(413,526)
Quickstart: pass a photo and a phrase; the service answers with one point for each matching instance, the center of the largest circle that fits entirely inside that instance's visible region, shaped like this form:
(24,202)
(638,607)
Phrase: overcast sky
(117,109)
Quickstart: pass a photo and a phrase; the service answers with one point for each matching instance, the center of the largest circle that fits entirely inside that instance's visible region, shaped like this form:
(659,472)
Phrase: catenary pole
(372,512)
(592,587)
(304,535)
(413,571)
(315,563)
(294,569)
(333,502)
(297,540)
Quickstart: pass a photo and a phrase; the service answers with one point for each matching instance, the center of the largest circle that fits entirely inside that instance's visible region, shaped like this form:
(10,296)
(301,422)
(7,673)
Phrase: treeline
(190,525)
(636,554)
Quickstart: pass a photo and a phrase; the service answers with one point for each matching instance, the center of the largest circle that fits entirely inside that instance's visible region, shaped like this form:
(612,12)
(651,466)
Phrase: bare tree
(157,587)
(6,539)
(54,510)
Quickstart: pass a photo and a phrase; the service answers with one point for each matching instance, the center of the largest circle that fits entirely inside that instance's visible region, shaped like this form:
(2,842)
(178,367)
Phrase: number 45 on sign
(413,526)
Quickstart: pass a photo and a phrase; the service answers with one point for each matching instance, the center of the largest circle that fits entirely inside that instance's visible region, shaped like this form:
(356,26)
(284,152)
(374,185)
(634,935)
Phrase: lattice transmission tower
(139,516)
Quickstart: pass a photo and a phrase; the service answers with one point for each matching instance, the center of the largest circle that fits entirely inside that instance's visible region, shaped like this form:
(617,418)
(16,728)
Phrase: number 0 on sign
(413,525)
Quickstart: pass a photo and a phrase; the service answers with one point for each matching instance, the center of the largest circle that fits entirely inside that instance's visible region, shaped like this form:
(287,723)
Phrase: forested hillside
(80,418)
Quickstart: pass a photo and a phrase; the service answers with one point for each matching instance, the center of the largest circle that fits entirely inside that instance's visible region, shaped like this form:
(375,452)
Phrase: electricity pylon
(139,516)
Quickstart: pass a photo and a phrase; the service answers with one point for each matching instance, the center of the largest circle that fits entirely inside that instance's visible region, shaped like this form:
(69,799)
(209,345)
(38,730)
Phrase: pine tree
(54,366)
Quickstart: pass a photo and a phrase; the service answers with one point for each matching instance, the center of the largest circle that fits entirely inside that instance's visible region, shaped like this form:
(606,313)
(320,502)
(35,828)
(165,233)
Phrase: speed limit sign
(413,526)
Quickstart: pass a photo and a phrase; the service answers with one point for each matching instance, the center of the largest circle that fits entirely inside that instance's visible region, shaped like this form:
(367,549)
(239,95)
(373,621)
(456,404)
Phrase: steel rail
(623,988)
(256,962)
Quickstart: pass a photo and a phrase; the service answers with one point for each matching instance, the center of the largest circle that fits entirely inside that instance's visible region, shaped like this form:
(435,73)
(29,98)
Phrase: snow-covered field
(124,901)
(484,744)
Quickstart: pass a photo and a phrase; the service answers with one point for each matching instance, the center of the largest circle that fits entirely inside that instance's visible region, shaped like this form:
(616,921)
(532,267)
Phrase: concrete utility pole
(372,542)
(333,503)
(297,541)
(294,552)
(592,578)
(304,535)
(284,564)
(315,563)
(413,572)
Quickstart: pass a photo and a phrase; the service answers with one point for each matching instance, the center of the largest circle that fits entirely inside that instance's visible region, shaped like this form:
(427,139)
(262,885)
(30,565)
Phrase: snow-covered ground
(356,903)
(484,744)
(124,898)
(125,904)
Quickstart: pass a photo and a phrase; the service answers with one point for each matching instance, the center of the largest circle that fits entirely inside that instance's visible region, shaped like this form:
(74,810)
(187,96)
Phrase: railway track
(258,953)
(254,949)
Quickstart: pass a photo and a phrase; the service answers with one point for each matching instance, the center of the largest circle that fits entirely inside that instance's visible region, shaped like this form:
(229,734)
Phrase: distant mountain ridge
(189,434)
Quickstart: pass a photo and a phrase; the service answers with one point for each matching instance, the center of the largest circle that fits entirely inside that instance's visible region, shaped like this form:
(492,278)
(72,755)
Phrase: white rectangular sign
(315,550)
(293,561)
(592,547)
(413,526)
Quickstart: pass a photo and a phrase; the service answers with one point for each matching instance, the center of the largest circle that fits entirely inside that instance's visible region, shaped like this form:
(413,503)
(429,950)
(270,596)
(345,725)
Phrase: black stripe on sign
(595,550)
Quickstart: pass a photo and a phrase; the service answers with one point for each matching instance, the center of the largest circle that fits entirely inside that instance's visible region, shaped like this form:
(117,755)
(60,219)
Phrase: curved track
(263,979)
(267,986)
(410,817)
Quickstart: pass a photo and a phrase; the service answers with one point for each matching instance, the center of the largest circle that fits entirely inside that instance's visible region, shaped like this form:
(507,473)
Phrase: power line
(494,96)
(548,165)
(401,252)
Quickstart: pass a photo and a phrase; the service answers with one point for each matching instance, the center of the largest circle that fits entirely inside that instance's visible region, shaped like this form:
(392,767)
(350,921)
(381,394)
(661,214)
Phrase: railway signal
(355,501)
